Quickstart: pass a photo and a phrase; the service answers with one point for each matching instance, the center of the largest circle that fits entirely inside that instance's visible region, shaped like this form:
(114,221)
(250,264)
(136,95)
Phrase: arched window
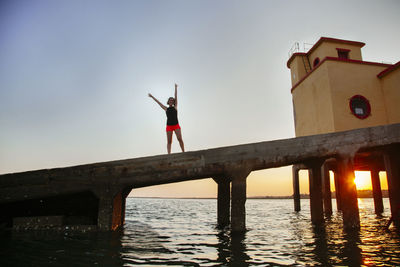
(360,106)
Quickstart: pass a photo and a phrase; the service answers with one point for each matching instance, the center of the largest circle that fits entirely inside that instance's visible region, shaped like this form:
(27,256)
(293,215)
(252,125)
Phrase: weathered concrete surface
(223,203)
(315,185)
(376,190)
(348,193)
(238,207)
(162,169)
(77,209)
(296,188)
(40,222)
(105,185)
(392,163)
(326,191)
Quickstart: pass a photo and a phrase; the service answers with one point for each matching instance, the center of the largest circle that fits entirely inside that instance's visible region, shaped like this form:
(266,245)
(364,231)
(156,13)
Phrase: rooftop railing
(297,48)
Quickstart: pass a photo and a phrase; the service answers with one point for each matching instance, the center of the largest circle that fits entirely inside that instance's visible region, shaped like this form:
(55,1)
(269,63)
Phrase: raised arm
(176,96)
(158,102)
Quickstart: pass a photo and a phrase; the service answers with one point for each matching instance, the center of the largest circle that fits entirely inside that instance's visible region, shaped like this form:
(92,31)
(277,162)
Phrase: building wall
(321,98)
(312,104)
(325,49)
(391,92)
(297,69)
(328,49)
(349,79)
(321,102)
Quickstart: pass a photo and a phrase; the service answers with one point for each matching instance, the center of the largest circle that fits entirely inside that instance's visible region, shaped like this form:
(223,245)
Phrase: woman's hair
(170,99)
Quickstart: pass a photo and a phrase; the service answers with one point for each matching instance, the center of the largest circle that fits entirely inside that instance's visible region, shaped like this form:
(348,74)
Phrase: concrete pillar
(376,191)
(392,165)
(117,212)
(316,203)
(238,209)
(296,187)
(110,215)
(125,194)
(223,202)
(348,194)
(337,190)
(327,195)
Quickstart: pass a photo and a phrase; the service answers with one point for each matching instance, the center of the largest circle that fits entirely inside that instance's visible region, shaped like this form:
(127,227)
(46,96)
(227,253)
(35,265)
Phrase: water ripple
(176,232)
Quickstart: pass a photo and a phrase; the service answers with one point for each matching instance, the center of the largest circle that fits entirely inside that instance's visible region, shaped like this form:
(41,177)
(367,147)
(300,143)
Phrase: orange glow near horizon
(270,182)
(363,180)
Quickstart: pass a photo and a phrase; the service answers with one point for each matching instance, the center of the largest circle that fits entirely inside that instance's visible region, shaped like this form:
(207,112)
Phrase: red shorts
(173,127)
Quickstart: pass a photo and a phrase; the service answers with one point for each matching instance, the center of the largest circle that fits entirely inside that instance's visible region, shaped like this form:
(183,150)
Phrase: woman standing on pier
(172,120)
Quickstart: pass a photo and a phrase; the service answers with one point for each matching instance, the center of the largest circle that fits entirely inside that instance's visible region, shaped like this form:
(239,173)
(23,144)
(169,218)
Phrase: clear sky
(74,77)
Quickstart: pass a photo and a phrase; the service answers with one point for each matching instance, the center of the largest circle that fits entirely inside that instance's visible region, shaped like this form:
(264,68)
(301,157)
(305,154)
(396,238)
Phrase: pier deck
(104,186)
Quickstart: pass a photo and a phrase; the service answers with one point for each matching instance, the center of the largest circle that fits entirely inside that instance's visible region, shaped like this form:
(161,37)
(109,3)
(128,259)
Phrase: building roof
(322,40)
(389,67)
(389,70)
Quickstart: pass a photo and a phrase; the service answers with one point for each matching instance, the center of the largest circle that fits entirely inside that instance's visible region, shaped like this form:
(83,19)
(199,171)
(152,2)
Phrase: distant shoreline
(360,194)
(267,197)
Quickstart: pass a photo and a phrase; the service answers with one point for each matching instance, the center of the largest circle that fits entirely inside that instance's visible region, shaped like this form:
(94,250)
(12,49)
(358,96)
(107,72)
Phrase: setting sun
(363,180)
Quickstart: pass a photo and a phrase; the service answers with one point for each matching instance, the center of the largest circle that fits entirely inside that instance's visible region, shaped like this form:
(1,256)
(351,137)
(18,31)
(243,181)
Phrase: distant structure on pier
(334,90)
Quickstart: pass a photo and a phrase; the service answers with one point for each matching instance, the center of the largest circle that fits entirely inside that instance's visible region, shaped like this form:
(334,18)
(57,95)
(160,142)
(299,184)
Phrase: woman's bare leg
(178,134)
(169,141)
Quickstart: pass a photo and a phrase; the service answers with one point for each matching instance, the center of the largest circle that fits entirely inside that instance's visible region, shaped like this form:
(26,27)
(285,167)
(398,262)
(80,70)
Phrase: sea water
(183,232)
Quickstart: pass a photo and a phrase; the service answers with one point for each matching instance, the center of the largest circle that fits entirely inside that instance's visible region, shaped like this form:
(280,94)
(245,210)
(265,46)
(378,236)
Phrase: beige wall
(297,70)
(328,49)
(321,102)
(349,79)
(325,49)
(391,92)
(312,104)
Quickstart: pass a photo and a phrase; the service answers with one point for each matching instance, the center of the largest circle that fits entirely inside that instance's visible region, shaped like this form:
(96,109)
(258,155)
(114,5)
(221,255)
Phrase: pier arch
(51,211)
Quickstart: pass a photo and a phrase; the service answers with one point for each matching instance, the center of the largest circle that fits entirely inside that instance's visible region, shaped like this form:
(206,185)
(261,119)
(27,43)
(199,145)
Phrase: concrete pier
(327,194)
(238,208)
(376,190)
(103,187)
(223,201)
(392,164)
(315,184)
(337,190)
(296,187)
(124,193)
(348,193)
(110,209)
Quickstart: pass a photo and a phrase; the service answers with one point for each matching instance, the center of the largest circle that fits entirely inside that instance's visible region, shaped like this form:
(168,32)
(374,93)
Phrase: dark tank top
(172,116)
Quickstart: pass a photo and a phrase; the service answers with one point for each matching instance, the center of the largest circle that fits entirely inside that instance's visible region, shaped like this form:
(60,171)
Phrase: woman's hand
(158,102)
(176,96)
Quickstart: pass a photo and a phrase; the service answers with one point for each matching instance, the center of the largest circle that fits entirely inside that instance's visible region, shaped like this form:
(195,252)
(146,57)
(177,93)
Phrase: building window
(360,106)
(316,62)
(343,53)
